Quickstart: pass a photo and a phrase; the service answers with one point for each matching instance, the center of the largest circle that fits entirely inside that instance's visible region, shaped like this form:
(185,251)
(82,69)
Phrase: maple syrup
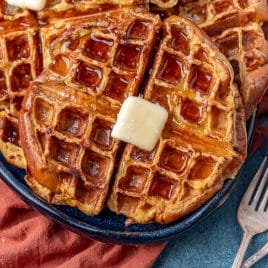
(98,48)
(191,111)
(89,76)
(171,69)
(179,40)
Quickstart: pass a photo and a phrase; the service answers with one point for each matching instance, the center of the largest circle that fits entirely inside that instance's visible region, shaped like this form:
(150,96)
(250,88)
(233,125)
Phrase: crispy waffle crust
(68,113)
(236,28)
(204,139)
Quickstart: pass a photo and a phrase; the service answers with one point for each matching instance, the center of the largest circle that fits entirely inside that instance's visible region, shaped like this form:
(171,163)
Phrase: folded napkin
(28,239)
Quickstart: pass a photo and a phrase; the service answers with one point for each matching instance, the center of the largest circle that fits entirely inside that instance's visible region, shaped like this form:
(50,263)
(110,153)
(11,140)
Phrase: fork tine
(259,191)
(253,184)
(265,197)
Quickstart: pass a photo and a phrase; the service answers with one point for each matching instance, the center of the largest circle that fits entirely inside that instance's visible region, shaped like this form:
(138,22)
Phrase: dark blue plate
(108,226)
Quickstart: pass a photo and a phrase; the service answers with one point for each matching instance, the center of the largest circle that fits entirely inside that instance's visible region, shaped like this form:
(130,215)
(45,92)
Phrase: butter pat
(140,123)
(35,5)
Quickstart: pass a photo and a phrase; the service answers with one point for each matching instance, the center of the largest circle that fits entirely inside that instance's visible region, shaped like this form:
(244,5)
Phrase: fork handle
(242,249)
(256,257)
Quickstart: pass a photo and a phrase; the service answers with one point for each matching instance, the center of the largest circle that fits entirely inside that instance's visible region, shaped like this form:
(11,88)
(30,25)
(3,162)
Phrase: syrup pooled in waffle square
(236,28)
(68,113)
(204,140)
(19,64)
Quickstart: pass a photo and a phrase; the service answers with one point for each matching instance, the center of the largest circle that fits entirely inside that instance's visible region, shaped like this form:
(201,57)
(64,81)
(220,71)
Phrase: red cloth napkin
(28,239)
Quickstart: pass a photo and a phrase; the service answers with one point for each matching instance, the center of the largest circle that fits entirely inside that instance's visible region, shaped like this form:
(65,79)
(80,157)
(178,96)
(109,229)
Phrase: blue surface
(214,242)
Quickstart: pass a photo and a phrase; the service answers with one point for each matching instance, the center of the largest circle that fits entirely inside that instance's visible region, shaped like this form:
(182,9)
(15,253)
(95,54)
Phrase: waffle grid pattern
(197,101)
(203,12)
(242,50)
(19,65)
(153,185)
(113,70)
(79,140)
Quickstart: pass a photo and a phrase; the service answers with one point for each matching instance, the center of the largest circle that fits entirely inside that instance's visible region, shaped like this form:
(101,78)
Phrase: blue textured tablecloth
(214,242)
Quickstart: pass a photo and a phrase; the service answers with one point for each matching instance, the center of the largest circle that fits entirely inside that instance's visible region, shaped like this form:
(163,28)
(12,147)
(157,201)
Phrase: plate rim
(125,237)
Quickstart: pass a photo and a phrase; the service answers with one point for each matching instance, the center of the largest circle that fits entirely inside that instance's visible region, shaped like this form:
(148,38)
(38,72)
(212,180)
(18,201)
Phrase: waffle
(204,139)
(235,27)
(68,113)
(19,64)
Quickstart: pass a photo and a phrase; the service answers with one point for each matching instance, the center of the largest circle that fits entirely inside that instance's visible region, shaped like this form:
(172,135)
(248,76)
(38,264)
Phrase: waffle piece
(204,140)
(69,111)
(19,64)
(235,26)
(59,16)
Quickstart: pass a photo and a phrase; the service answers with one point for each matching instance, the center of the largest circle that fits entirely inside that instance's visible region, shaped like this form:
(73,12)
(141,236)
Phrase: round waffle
(68,113)
(236,28)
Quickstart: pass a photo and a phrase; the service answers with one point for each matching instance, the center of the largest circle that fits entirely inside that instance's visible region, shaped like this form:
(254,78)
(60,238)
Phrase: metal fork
(256,257)
(253,213)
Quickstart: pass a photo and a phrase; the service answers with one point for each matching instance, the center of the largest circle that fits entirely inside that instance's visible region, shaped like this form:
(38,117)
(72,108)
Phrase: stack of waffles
(65,72)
